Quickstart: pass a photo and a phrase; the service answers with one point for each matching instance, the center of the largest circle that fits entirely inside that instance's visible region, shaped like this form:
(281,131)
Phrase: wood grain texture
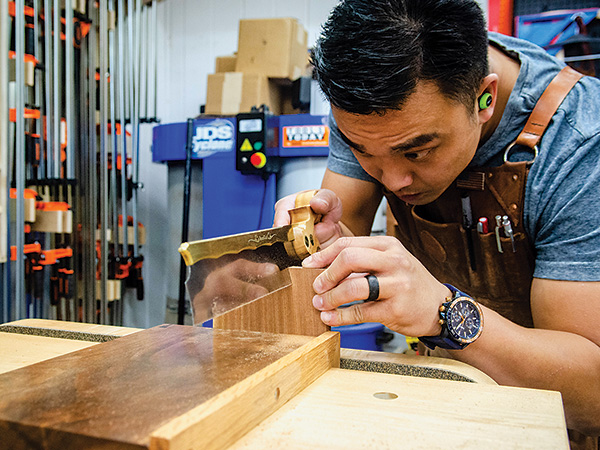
(340,411)
(118,393)
(19,350)
(225,418)
(288,309)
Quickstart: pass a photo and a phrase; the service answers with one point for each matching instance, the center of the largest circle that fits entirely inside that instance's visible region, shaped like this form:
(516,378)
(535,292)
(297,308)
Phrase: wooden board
(19,350)
(168,387)
(288,309)
(340,411)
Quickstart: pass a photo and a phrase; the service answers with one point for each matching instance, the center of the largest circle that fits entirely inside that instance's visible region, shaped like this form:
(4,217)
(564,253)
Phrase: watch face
(464,320)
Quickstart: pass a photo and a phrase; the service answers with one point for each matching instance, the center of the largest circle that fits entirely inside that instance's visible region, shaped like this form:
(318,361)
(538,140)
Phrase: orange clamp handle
(27,193)
(50,257)
(27,249)
(52,206)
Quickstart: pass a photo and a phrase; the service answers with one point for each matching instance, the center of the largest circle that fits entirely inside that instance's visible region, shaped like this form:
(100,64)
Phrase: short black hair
(372,53)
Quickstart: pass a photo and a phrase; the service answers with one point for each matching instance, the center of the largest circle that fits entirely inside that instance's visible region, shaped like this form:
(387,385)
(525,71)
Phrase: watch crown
(441,322)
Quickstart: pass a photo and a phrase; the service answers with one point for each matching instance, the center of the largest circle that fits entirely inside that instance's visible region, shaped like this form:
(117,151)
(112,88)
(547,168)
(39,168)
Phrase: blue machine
(236,202)
(233,202)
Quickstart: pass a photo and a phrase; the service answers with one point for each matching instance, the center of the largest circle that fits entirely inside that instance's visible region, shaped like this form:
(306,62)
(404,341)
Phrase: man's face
(418,151)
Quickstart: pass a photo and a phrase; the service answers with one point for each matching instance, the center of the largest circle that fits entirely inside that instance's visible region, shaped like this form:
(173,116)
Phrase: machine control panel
(251,147)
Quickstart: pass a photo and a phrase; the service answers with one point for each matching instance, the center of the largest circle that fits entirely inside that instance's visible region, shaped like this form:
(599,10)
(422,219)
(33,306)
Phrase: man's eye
(417,156)
(360,153)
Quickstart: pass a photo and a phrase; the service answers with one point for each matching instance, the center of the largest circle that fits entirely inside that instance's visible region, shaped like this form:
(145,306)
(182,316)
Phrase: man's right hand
(328,205)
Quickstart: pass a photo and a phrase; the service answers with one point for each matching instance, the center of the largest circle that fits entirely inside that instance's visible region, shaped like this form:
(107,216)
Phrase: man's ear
(486,100)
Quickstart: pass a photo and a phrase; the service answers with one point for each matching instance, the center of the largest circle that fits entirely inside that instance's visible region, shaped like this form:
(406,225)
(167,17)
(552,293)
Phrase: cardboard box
(234,92)
(286,100)
(225,63)
(276,48)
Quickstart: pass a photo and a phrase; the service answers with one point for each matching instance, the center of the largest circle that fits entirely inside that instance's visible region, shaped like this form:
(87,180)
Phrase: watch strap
(444,340)
(441,341)
(456,292)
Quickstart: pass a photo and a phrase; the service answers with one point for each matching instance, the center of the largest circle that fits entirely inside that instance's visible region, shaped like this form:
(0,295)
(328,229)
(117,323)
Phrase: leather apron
(491,267)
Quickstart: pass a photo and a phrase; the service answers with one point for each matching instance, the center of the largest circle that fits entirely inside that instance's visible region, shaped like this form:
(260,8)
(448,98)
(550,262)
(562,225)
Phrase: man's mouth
(409,198)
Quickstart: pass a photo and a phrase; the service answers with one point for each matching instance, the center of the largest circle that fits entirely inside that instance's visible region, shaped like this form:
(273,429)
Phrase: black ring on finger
(373,288)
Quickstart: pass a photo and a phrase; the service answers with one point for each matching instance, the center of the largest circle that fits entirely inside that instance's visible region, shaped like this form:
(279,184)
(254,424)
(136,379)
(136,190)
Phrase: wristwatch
(461,319)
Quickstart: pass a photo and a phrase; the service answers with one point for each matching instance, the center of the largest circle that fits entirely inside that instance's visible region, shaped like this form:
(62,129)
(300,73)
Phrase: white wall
(195,32)
(191,34)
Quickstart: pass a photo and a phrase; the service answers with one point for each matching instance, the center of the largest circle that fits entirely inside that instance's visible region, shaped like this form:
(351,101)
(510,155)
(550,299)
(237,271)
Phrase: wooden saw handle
(302,241)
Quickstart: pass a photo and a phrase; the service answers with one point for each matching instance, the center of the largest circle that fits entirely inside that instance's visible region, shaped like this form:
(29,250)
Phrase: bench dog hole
(385,395)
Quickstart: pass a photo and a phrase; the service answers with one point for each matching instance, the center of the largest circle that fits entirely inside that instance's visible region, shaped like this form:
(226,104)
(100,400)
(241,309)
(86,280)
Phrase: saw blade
(217,285)
(213,248)
(227,272)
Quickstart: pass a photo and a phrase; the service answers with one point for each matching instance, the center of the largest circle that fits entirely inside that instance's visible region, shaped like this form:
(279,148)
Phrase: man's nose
(396,177)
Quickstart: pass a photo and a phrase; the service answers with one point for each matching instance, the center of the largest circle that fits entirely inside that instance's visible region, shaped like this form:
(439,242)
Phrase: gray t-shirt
(562,199)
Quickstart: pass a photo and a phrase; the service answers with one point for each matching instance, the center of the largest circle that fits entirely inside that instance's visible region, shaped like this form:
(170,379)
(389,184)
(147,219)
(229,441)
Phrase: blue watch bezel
(445,339)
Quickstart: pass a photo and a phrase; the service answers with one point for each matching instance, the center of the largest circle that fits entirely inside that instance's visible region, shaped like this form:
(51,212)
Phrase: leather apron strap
(546,106)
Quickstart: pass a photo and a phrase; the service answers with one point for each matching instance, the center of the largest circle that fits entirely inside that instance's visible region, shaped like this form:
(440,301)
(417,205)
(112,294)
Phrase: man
(425,107)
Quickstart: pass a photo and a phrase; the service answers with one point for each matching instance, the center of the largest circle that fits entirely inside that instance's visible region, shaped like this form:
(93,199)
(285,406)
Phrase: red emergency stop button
(258,160)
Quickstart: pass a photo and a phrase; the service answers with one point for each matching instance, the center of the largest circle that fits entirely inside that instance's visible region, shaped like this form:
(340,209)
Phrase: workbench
(372,400)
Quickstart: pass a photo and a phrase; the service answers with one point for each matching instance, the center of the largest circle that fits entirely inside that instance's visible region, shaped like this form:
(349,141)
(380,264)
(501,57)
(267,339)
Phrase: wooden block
(222,420)
(113,290)
(288,309)
(28,72)
(130,230)
(29,68)
(98,235)
(28,209)
(169,387)
(109,235)
(53,221)
(347,409)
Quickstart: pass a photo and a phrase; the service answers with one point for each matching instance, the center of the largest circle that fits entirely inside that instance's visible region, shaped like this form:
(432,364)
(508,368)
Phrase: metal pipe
(130,60)
(154,59)
(132,101)
(92,152)
(136,127)
(56,89)
(4,221)
(83,205)
(48,65)
(581,58)
(113,135)
(103,159)
(122,101)
(20,312)
(185,222)
(69,86)
(39,129)
(144,65)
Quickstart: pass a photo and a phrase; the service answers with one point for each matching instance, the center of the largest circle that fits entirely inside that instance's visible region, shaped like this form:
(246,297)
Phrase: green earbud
(485,100)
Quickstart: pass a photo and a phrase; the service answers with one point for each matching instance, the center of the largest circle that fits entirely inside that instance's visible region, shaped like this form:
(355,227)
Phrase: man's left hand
(409,296)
